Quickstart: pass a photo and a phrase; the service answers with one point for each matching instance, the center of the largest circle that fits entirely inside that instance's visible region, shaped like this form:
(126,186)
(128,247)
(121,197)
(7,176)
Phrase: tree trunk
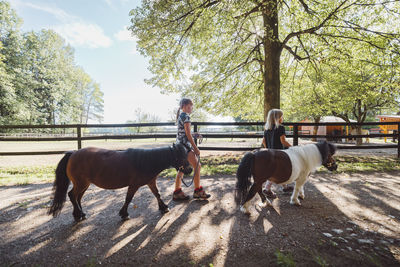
(315,130)
(358,140)
(359,114)
(272,53)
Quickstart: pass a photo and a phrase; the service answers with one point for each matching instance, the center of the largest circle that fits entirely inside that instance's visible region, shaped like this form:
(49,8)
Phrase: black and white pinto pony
(281,167)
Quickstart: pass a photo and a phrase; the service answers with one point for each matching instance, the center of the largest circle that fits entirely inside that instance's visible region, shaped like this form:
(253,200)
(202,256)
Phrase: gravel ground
(343,221)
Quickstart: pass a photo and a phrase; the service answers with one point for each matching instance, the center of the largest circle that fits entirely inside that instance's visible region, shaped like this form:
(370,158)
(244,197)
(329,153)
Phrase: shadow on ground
(344,221)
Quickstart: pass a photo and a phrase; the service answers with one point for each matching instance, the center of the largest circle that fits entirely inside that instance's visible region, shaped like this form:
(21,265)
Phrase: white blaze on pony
(281,167)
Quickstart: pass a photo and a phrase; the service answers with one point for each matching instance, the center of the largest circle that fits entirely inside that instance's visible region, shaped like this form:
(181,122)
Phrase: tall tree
(351,84)
(93,107)
(226,55)
(39,80)
(366,80)
(144,117)
(48,61)
(303,94)
(10,39)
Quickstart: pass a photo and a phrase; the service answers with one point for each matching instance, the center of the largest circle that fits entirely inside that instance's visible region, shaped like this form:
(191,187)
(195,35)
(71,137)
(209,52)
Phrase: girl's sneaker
(178,195)
(200,193)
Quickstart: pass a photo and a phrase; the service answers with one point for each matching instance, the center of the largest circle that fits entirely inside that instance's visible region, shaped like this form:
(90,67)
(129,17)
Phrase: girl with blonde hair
(275,138)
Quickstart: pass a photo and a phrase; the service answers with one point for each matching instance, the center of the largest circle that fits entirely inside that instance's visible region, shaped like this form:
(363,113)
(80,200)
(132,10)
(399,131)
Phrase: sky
(96,29)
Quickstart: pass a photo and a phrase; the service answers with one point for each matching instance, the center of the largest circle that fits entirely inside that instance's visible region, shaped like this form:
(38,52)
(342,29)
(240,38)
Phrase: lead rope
(194,174)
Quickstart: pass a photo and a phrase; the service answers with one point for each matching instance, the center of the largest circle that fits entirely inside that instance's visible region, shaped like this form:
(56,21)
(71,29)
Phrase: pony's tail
(60,186)
(243,176)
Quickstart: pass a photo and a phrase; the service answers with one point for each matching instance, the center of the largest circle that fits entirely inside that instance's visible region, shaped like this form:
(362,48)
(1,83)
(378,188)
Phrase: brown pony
(281,167)
(111,169)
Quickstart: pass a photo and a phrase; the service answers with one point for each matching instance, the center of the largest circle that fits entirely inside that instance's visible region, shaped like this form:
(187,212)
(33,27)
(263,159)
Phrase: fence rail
(296,134)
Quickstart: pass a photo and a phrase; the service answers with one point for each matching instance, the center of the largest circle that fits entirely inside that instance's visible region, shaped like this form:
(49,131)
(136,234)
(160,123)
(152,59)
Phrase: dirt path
(344,221)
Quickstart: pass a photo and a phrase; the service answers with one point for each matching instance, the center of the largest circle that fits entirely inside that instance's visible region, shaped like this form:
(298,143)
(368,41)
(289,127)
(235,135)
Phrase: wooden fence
(296,134)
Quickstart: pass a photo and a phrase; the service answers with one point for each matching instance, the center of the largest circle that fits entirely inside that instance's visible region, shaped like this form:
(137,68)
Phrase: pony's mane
(325,149)
(151,161)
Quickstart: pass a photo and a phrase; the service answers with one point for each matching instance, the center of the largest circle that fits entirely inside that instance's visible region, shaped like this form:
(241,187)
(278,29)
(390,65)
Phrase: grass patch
(318,259)
(211,165)
(26,175)
(284,260)
(352,164)
(374,259)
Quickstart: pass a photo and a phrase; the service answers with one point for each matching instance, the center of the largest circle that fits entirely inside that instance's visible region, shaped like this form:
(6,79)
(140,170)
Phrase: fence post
(295,135)
(195,130)
(79,133)
(398,140)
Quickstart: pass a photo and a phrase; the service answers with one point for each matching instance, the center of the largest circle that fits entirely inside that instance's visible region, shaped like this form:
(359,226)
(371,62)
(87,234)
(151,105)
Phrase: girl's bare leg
(178,181)
(268,185)
(193,161)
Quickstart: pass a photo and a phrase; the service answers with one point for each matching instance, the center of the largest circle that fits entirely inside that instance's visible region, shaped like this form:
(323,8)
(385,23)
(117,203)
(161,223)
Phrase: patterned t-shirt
(181,135)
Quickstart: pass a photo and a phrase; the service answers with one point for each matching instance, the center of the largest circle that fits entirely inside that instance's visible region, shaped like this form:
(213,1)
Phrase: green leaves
(353,80)
(223,54)
(39,80)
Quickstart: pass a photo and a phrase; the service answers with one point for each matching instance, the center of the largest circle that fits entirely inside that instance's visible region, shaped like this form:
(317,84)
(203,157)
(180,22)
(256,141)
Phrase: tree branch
(205,4)
(314,29)
(351,38)
(306,8)
(376,4)
(296,56)
(253,10)
(353,26)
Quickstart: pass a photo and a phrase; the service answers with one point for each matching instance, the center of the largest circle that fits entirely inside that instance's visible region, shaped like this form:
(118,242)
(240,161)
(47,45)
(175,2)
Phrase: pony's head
(327,151)
(181,162)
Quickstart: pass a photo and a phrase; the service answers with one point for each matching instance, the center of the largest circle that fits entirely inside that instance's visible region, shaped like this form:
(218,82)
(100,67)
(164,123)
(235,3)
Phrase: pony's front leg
(294,199)
(161,205)
(301,192)
(124,210)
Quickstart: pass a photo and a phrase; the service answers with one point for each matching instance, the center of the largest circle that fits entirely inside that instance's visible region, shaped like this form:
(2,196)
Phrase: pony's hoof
(124,215)
(78,219)
(244,210)
(264,204)
(301,197)
(295,202)
(124,218)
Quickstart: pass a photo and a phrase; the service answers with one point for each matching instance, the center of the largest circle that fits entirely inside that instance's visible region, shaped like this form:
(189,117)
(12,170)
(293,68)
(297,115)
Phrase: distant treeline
(39,81)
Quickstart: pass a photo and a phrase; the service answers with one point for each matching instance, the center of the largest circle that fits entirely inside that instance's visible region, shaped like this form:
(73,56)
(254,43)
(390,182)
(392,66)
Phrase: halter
(199,137)
(194,174)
